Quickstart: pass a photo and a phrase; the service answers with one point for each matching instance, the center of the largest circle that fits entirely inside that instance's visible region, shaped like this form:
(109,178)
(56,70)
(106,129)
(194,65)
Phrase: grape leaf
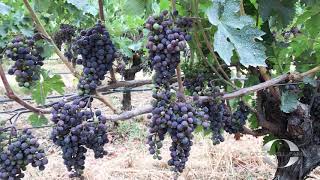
(236,33)
(289,102)
(164,5)
(42,5)
(4,9)
(135,7)
(309,80)
(281,13)
(85,6)
(136,46)
(275,146)
(47,85)
(37,120)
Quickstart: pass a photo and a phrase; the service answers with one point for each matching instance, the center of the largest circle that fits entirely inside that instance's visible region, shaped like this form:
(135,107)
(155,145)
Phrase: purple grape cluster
(238,120)
(27,58)
(179,121)
(22,151)
(181,128)
(64,35)
(165,42)
(77,129)
(214,114)
(98,53)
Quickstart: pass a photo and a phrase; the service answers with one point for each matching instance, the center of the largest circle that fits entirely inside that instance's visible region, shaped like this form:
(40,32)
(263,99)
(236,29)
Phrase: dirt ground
(128,156)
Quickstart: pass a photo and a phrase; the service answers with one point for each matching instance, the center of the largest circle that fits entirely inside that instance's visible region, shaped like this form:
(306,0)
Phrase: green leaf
(313,25)
(253,122)
(135,7)
(164,5)
(236,33)
(280,13)
(275,146)
(4,9)
(136,46)
(309,80)
(85,6)
(47,85)
(37,120)
(42,5)
(289,102)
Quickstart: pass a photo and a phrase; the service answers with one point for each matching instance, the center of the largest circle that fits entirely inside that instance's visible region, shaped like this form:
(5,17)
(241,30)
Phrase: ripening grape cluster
(165,42)
(181,127)
(27,60)
(64,35)
(214,114)
(179,120)
(77,129)
(238,120)
(22,151)
(98,53)
(195,84)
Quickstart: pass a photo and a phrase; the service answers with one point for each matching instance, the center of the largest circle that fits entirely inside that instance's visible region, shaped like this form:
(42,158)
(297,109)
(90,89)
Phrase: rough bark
(310,160)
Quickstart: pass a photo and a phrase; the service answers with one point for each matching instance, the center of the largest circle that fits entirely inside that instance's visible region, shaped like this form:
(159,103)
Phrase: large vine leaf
(281,13)
(135,7)
(85,6)
(237,33)
(4,9)
(47,85)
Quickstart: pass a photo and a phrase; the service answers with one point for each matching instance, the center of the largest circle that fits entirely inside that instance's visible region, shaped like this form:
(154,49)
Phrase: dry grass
(130,160)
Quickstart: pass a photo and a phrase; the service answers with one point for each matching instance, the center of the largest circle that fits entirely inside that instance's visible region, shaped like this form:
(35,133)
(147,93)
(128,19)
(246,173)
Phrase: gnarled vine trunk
(309,160)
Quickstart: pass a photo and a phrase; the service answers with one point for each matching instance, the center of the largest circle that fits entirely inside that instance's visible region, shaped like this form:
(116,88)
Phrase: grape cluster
(162,113)
(195,84)
(238,120)
(315,108)
(165,42)
(98,54)
(181,128)
(64,35)
(78,129)
(214,113)
(22,151)
(27,58)
(179,121)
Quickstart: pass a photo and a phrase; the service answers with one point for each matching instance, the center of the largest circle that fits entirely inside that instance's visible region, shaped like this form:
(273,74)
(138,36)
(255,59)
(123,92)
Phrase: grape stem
(129,84)
(13,96)
(101,16)
(105,101)
(42,30)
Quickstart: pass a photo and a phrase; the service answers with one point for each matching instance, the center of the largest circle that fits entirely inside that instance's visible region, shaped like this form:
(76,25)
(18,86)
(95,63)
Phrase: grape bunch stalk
(78,129)
(97,55)
(24,149)
(27,60)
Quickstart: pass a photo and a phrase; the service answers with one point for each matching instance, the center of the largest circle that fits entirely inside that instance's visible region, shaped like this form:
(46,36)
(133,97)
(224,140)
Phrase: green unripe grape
(156,26)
